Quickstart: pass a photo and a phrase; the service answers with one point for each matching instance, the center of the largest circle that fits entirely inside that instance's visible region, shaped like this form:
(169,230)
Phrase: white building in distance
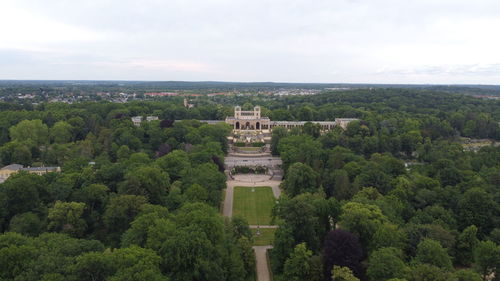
(253,121)
(137,120)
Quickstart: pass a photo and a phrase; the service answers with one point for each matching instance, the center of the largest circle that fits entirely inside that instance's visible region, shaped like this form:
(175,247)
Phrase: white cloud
(22,29)
(294,40)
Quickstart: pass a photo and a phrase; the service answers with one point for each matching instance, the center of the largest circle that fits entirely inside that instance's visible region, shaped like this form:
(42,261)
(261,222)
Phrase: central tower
(248,120)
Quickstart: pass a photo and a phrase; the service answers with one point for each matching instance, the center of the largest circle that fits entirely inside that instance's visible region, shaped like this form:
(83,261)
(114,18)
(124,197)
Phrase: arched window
(237,125)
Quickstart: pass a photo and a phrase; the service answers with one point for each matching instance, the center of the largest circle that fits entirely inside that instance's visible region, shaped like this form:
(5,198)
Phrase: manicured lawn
(254,206)
(265,238)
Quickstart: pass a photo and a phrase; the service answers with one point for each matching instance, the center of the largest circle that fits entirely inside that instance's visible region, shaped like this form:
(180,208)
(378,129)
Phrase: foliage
(466,244)
(301,178)
(249,170)
(343,273)
(362,219)
(30,130)
(431,252)
(343,249)
(386,263)
(417,166)
(66,217)
(298,265)
(487,258)
(258,144)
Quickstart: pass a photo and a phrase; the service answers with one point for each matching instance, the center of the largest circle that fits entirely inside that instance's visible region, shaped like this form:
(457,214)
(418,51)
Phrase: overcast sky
(356,41)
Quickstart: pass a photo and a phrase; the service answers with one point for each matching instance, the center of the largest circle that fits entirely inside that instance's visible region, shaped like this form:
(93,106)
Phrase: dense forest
(395,196)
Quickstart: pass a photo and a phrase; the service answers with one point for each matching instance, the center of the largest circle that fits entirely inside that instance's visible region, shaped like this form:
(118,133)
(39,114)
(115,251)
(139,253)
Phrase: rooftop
(39,168)
(17,167)
(13,167)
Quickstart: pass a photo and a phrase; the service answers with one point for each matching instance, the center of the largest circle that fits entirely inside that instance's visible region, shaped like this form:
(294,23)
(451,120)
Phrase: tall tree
(278,134)
(431,252)
(33,130)
(476,207)
(362,219)
(147,181)
(298,265)
(336,183)
(120,212)
(487,259)
(466,244)
(386,263)
(61,132)
(300,179)
(343,273)
(175,163)
(299,213)
(66,217)
(342,248)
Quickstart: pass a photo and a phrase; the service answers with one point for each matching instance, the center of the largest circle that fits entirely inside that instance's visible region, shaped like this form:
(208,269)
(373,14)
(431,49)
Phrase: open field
(255,206)
(265,238)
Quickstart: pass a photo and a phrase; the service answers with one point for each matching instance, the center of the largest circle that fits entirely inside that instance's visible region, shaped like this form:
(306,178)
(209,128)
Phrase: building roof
(346,119)
(40,169)
(212,122)
(17,167)
(302,123)
(14,167)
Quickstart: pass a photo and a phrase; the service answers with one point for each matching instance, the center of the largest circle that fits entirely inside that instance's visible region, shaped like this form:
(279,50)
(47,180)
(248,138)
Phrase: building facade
(7,171)
(253,121)
(137,120)
(248,120)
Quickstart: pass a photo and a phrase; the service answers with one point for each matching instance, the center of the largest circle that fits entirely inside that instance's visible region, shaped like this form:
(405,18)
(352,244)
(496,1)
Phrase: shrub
(258,144)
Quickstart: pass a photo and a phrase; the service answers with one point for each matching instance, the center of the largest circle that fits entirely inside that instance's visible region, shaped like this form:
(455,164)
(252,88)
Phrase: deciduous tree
(342,248)
(487,258)
(298,265)
(66,217)
(300,179)
(386,263)
(33,130)
(431,252)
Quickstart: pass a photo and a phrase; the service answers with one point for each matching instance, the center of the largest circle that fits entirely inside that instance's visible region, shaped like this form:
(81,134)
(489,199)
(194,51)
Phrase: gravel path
(263,271)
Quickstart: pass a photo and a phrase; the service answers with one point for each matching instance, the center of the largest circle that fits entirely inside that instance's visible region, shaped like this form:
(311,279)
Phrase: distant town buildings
(137,120)
(296,92)
(7,171)
(487,97)
(162,94)
(218,94)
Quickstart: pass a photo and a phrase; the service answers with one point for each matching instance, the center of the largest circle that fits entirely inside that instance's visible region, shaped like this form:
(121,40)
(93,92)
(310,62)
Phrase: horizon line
(243,82)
